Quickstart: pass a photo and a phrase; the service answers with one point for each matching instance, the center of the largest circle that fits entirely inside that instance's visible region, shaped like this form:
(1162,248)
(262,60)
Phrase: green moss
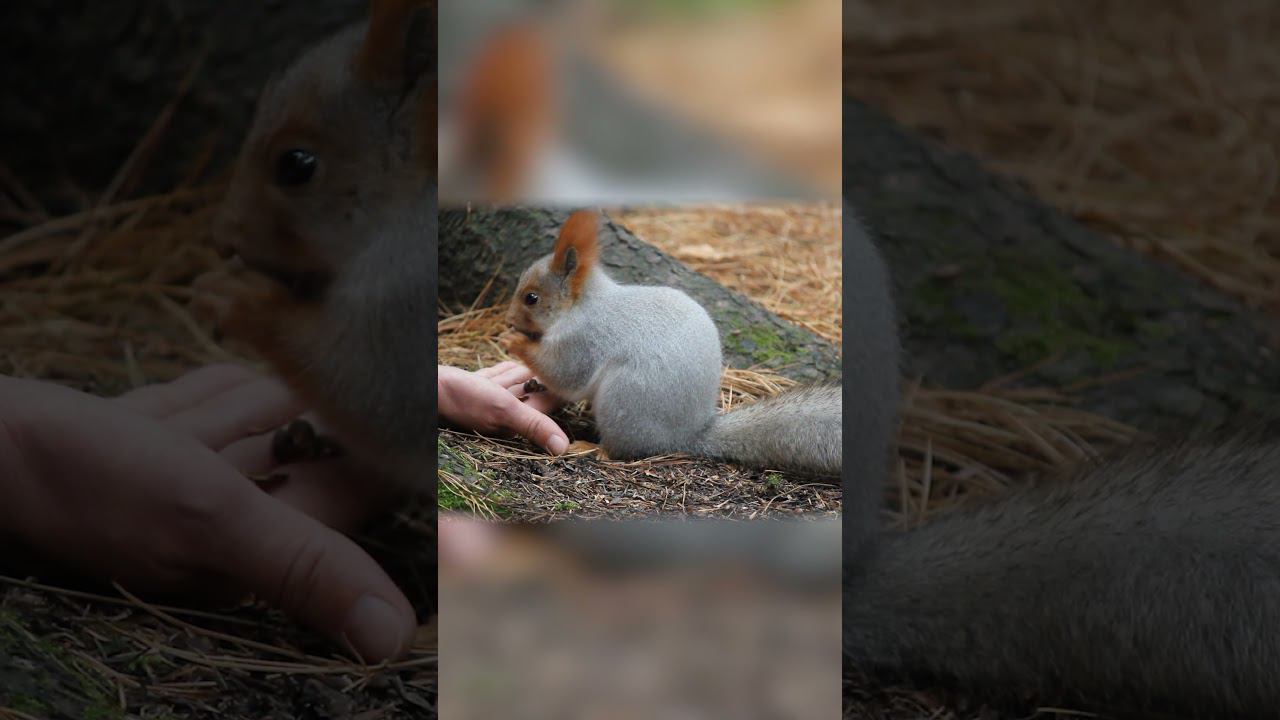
(500,501)
(566,506)
(455,463)
(29,705)
(763,344)
(495,499)
(447,499)
(79,690)
(1155,330)
(1048,312)
(934,306)
(773,480)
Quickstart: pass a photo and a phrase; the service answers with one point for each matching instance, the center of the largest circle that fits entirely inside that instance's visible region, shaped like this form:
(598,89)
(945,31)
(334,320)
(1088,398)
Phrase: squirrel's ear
(577,249)
(506,108)
(399,44)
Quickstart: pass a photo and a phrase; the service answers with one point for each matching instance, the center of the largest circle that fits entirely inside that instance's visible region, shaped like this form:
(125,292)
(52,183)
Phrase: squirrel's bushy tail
(1152,580)
(797,430)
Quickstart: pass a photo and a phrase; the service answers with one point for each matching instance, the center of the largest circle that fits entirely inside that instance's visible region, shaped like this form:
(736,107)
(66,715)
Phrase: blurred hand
(149,490)
(489,401)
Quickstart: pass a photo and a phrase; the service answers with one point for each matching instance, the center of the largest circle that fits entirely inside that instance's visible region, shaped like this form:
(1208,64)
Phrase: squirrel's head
(556,282)
(340,139)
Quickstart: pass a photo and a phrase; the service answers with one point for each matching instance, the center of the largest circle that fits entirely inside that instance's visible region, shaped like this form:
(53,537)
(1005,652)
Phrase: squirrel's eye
(531,298)
(295,167)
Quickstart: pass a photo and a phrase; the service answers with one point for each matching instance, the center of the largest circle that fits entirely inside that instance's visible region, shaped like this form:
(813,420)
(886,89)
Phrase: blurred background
(595,101)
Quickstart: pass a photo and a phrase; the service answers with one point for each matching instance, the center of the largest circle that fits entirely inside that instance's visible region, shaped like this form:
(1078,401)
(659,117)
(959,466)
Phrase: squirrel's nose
(228,239)
(227,228)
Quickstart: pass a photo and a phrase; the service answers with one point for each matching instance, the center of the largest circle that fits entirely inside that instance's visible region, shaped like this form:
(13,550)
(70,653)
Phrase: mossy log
(990,281)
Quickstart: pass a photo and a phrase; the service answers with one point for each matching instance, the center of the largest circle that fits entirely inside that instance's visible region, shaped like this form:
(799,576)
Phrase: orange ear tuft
(506,109)
(382,55)
(577,249)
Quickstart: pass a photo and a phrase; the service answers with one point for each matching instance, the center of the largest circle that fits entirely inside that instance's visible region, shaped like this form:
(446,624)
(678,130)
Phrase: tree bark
(479,245)
(989,280)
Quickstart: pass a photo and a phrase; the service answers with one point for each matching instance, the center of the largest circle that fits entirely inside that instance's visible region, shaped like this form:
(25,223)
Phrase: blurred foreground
(687,619)
(599,101)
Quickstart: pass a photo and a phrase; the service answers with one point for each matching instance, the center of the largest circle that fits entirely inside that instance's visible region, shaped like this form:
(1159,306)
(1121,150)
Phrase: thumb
(531,424)
(318,576)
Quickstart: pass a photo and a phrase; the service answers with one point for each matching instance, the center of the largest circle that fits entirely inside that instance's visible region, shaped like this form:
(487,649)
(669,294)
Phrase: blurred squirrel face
(332,155)
(539,296)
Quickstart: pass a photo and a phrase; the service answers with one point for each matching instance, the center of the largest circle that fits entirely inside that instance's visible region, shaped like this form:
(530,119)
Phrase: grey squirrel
(1150,581)
(649,360)
(331,212)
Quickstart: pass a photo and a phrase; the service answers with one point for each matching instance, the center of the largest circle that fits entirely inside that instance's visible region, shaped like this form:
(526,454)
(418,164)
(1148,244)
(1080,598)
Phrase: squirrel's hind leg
(635,420)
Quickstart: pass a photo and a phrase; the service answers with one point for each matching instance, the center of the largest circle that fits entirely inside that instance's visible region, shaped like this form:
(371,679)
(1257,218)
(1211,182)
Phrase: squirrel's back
(654,376)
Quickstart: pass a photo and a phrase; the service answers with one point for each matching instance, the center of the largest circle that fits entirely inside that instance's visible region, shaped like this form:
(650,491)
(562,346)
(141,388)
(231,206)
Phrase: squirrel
(332,214)
(1149,581)
(649,360)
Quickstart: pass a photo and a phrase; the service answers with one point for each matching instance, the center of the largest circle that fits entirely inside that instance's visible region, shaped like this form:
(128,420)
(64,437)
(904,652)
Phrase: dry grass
(785,257)
(99,299)
(1156,122)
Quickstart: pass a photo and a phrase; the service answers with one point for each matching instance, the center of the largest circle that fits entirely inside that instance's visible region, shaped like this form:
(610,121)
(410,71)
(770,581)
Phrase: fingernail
(557,445)
(376,630)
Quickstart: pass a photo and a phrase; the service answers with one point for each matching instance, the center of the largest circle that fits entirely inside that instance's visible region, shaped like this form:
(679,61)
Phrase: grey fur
(1152,580)
(799,430)
(871,368)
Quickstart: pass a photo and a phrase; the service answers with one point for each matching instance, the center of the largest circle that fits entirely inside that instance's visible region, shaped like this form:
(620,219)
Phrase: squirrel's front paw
(518,345)
(508,339)
(229,298)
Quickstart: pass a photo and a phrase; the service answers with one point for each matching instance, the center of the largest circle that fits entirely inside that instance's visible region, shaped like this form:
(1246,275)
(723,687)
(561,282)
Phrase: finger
(252,455)
(164,399)
(255,455)
(501,367)
(464,542)
(316,575)
(517,375)
(544,402)
(248,409)
(531,424)
(339,492)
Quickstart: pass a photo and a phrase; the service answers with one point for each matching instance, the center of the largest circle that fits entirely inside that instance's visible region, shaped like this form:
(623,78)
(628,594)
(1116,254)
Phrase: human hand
(149,490)
(488,401)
